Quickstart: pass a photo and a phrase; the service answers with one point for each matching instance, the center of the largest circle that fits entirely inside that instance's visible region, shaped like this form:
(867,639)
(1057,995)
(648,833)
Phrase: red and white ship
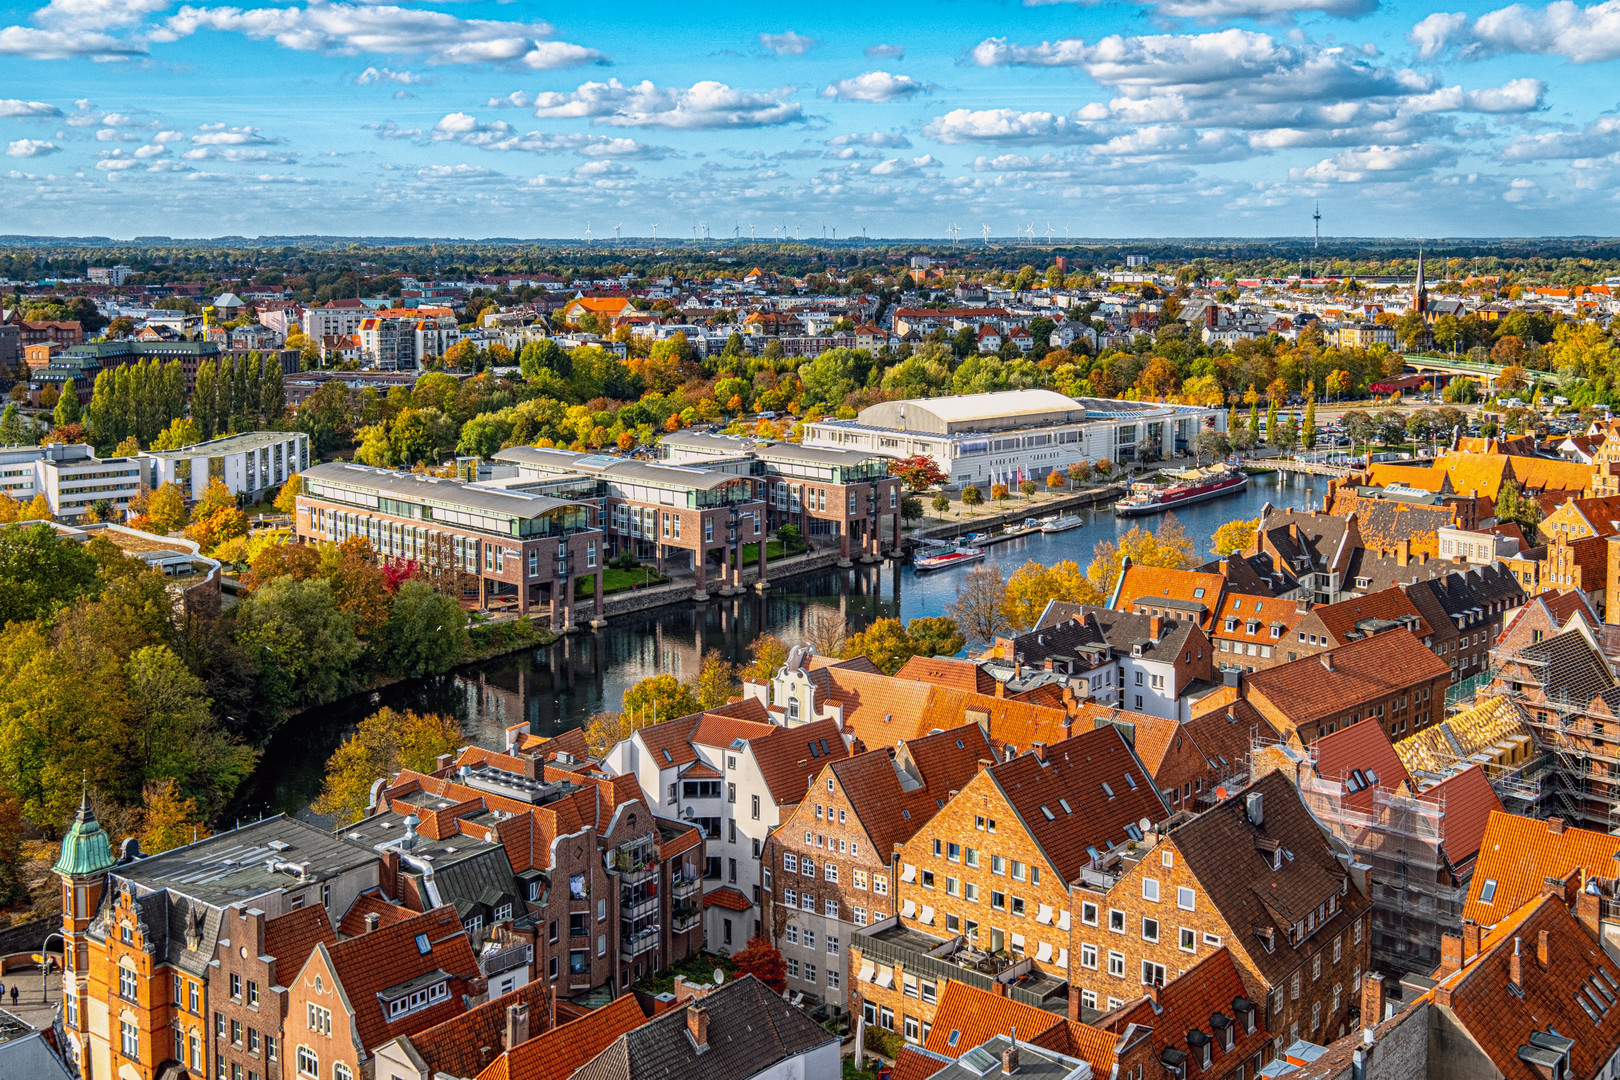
(936,555)
(1186,486)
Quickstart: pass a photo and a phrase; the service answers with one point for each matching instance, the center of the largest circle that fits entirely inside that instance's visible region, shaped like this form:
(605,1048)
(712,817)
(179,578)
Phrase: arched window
(341,1071)
(308,1063)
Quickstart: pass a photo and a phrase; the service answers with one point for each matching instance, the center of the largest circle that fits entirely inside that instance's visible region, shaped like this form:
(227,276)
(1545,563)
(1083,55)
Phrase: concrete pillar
(869,541)
(843,543)
(897,545)
(762,585)
(597,619)
(556,614)
(699,569)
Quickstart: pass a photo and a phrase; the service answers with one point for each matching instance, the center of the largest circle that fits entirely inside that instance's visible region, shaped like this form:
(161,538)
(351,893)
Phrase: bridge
(1451,365)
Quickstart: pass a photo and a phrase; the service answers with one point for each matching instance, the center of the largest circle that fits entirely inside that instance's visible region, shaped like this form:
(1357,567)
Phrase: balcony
(493,962)
(634,942)
(942,959)
(686,917)
(685,887)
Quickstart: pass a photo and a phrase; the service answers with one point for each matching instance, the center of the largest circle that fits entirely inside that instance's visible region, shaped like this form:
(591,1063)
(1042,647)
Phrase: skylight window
(1108,790)
(422,946)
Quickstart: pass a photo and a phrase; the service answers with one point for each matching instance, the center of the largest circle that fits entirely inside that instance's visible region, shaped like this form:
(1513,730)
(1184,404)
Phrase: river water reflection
(559,686)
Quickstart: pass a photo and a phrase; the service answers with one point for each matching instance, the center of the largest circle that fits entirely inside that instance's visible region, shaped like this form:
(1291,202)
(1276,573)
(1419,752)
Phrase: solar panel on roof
(979,1060)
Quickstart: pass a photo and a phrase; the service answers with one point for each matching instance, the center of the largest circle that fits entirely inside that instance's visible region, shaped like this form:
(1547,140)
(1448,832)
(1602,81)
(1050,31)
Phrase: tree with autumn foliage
(766,656)
(764,962)
(1168,546)
(384,743)
(918,472)
(1234,537)
(888,644)
(1034,585)
(168,818)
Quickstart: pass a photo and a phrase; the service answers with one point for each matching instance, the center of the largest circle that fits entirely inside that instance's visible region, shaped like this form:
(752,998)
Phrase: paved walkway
(28,1007)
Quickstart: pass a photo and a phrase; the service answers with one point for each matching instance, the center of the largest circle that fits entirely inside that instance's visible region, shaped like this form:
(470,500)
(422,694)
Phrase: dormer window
(408,998)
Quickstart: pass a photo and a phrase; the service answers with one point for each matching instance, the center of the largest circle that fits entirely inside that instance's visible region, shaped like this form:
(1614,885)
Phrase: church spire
(1420,293)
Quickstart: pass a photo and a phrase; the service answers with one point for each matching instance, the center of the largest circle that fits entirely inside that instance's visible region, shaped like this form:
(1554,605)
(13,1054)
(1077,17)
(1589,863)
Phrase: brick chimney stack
(1541,950)
(697,1025)
(1372,999)
(1470,930)
(517,1025)
(1451,954)
(1009,1056)
(1516,968)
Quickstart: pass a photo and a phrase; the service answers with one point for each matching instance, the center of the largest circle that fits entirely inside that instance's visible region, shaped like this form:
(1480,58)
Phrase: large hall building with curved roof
(1015,434)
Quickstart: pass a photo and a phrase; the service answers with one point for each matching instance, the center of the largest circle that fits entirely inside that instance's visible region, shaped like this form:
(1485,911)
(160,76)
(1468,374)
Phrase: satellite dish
(1145,825)
(719,976)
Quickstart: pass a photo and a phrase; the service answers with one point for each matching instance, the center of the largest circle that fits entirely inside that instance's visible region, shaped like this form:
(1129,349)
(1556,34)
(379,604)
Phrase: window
(859,915)
(1088,913)
(756,807)
(308,1063)
(911,1021)
(1116,920)
(858,878)
(236,1033)
(1150,889)
(880,884)
(832,978)
(126,983)
(130,1040)
(317,1019)
(193,992)
(1487,892)
(829,872)
(1116,964)
(253,993)
(1088,956)
(1152,974)
(341,1071)
(1150,929)
(178,983)
(1185,899)
(1189,940)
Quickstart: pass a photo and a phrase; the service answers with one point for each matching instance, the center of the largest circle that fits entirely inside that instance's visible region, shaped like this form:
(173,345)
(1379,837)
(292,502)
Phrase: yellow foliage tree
(216,497)
(287,497)
(169,820)
(769,654)
(713,683)
(1168,546)
(1234,537)
(9,509)
(38,509)
(384,743)
(166,510)
(1033,585)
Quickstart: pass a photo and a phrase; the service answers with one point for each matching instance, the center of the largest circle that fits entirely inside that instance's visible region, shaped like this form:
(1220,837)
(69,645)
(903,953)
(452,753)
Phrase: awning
(1018,942)
(927,915)
(1063,959)
(1043,952)
(868,969)
(1063,920)
(885,977)
(908,909)
(908,873)
(1045,915)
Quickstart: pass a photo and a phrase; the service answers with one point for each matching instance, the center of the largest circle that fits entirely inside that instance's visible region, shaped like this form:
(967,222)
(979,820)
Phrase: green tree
(168,818)
(941,504)
(971,495)
(385,743)
(14,429)
(426,632)
(42,570)
(889,645)
(304,643)
(711,687)
(658,698)
(1307,431)
(67,406)
(171,732)
(1512,505)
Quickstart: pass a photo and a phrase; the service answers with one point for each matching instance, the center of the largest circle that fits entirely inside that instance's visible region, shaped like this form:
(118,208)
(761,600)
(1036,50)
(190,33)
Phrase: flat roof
(813,455)
(228,444)
(236,865)
(993,405)
(436,489)
(663,474)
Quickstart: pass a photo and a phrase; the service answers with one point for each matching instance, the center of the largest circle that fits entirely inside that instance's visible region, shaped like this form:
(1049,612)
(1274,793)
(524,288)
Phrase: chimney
(1254,809)
(1039,748)
(1451,954)
(442,762)
(1470,930)
(409,841)
(1155,627)
(372,919)
(517,1025)
(697,1025)
(1327,660)
(1589,908)
(1302,604)
(1516,968)
(1555,825)
(533,768)
(1009,1056)
(1403,552)
(1541,950)
(1074,1002)
(1372,999)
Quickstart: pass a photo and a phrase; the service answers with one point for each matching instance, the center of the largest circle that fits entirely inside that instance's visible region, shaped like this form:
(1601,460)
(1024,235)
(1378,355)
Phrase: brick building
(983,889)
(831,865)
(1254,875)
(1252,633)
(1389,677)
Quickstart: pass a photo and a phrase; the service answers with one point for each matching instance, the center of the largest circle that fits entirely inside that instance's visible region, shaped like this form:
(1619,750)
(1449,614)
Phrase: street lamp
(44,964)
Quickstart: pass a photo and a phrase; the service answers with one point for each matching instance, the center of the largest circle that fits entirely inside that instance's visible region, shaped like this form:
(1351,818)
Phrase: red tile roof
(1307,690)
(967,1016)
(372,903)
(1518,854)
(915,1064)
(1500,1018)
(727,897)
(1339,620)
(290,938)
(559,1053)
(373,962)
(1188,1003)
(465,1044)
(948,671)
(892,815)
(787,761)
(1467,801)
(1361,758)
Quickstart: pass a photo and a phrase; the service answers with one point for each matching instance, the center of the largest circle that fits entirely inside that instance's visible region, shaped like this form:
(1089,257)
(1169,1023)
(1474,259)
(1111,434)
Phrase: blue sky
(472,118)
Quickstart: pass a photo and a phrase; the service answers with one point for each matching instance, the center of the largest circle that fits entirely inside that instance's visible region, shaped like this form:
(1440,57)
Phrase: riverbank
(1016,510)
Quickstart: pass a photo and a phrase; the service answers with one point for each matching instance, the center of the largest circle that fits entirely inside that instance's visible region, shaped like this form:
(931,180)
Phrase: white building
(250,464)
(70,476)
(1014,433)
(321,321)
(737,779)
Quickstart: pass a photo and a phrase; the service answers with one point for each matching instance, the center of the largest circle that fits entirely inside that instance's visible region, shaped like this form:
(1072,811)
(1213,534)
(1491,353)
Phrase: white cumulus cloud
(1006,126)
(16,107)
(787,43)
(706,104)
(873,86)
(31,148)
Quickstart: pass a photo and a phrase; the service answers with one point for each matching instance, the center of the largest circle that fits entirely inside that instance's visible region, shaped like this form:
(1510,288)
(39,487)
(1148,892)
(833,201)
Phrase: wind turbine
(587,234)
(835,234)
(1048,232)
(750,232)
(616,232)
(655,232)
(986,227)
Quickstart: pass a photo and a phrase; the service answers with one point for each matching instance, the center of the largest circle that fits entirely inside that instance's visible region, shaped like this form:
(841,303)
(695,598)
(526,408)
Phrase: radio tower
(1317,218)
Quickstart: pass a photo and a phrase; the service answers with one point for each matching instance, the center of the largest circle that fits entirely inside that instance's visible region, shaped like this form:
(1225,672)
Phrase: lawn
(616,581)
(773,550)
(697,969)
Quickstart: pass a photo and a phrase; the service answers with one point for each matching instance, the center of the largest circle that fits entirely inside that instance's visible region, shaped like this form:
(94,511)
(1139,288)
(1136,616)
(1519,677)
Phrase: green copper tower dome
(86,848)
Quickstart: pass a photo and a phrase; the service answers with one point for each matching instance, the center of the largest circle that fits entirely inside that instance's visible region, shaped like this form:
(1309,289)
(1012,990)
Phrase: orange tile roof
(560,1052)
(915,1064)
(948,671)
(1162,583)
(727,897)
(788,764)
(1154,737)
(1264,611)
(1518,854)
(878,710)
(1091,1045)
(1536,474)
(1011,723)
(967,1016)
(1339,620)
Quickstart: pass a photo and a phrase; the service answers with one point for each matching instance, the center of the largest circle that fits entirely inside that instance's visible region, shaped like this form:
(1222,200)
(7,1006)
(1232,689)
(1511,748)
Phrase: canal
(559,686)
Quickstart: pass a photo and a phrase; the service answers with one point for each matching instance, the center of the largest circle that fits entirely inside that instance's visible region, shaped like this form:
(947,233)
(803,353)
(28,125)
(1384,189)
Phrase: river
(559,686)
